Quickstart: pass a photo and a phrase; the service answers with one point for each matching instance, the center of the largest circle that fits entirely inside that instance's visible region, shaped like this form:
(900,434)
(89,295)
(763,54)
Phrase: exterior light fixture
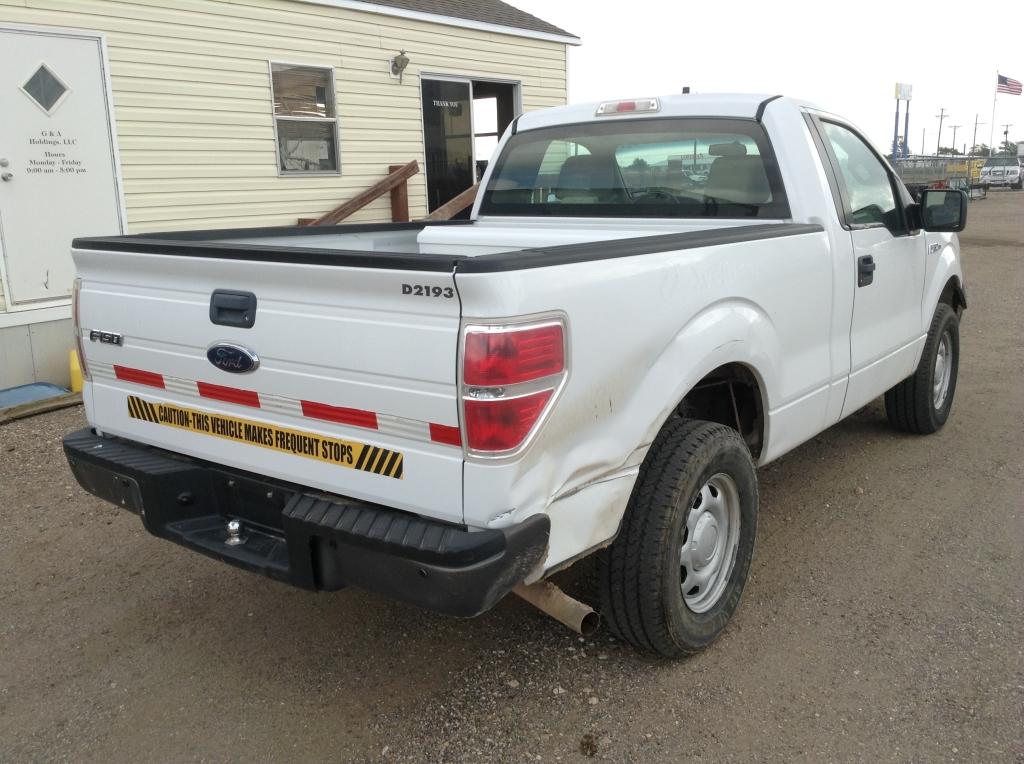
(398,64)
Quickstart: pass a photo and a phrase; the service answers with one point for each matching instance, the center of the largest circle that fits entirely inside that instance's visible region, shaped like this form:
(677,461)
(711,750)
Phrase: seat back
(738,179)
(587,179)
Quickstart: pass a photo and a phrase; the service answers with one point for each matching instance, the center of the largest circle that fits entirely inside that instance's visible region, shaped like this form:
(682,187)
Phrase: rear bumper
(306,540)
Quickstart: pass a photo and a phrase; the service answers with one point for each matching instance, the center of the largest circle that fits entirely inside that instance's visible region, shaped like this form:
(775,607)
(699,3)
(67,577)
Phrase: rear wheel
(674,575)
(921,403)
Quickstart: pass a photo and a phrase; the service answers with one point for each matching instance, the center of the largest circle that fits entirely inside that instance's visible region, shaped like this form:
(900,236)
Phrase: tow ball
(235,537)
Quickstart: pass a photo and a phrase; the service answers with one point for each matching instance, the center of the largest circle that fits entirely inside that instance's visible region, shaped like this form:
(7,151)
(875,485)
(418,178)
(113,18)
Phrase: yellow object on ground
(76,371)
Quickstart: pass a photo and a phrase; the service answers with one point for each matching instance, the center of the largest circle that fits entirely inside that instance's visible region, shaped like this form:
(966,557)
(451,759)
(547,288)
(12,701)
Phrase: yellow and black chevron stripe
(350,454)
(140,409)
(380,461)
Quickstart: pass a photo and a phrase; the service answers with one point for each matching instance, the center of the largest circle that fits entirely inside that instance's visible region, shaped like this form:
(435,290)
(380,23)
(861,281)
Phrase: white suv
(1003,171)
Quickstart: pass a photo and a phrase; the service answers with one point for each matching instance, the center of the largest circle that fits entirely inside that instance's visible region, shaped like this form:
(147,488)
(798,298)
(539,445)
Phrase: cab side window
(869,194)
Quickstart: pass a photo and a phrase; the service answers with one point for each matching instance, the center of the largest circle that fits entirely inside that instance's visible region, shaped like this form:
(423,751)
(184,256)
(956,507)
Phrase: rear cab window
(658,168)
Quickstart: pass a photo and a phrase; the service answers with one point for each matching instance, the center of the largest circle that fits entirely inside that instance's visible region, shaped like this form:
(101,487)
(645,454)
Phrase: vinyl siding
(192,99)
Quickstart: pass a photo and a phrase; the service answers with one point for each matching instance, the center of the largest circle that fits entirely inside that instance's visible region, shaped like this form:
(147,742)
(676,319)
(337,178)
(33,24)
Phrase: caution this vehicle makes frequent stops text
(652,298)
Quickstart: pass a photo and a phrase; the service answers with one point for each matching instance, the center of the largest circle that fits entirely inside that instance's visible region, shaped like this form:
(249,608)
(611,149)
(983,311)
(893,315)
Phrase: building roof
(487,11)
(493,15)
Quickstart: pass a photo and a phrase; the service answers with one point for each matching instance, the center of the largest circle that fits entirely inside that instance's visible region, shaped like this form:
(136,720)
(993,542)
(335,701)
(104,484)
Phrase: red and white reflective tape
(370,420)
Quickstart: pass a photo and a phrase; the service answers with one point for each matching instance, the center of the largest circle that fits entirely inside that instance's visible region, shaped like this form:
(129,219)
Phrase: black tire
(641,573)
(910,405)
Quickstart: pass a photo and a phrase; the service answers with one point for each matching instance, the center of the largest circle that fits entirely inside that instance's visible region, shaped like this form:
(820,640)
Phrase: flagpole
(992,129)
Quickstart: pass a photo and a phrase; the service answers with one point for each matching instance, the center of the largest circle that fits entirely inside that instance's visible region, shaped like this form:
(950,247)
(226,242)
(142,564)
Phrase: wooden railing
(395,183)
(454,206)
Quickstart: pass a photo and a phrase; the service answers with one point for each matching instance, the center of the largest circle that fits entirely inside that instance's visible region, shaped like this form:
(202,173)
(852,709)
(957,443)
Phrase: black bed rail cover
(210,244)
(566,254)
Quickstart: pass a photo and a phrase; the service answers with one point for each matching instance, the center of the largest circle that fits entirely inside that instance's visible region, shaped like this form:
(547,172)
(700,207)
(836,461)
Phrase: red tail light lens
(502,424)
(512,356)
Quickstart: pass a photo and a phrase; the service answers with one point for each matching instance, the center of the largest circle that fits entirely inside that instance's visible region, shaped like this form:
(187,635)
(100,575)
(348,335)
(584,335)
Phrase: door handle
(6,176)
(865,270)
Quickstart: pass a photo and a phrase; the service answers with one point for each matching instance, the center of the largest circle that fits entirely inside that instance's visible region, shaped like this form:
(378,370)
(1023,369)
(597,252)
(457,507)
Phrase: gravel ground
(883,618)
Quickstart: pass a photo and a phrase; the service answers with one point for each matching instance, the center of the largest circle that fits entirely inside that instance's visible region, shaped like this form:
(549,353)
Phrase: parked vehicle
(1003,171)
(920,172)
(445,412)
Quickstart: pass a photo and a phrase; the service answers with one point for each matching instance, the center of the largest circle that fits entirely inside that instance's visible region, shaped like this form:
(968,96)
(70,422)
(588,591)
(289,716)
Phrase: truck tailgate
(354,391)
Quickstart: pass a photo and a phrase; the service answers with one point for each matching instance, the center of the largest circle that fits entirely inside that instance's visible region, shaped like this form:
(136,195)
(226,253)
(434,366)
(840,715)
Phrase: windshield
(693,168)
(1002,162)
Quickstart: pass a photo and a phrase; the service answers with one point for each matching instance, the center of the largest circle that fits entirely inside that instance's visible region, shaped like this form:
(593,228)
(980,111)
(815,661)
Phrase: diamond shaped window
(45,88)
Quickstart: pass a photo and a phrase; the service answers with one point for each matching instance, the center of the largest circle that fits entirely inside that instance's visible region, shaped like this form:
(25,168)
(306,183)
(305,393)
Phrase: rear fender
(731,331)
(593,478)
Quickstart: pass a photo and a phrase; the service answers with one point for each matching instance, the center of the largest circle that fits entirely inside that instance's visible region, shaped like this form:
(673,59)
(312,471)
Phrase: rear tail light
(510,375)
(76,323)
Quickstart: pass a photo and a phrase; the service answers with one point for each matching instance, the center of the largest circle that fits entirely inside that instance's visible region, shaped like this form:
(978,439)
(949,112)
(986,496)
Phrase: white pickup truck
(652,297)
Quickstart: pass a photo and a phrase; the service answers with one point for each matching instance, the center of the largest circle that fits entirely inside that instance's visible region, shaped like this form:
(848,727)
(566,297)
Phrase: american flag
(1008,85)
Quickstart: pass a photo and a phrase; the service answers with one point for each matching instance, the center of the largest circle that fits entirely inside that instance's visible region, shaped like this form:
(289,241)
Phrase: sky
(845,57)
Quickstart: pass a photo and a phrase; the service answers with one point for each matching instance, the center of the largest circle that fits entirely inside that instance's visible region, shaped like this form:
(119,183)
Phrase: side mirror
(943,210)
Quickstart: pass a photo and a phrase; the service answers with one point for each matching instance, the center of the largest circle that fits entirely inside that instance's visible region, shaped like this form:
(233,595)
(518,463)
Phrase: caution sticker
(344,453)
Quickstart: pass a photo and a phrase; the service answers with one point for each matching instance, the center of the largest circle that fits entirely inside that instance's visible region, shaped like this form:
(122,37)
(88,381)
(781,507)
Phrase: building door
(57,158)
(447,139)
(462,121)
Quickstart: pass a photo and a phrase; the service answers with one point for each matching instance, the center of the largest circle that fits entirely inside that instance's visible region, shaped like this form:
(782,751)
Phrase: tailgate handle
(231,308)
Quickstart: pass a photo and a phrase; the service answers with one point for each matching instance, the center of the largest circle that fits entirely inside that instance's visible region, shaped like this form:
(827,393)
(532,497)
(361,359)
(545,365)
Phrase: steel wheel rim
(711,541)
(943,371)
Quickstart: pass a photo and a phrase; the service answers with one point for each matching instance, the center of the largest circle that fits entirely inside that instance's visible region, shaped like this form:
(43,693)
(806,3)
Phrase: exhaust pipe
(547,597)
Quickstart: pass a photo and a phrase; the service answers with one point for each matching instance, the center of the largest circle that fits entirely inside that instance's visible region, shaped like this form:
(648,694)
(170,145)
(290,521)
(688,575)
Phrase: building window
(305,119)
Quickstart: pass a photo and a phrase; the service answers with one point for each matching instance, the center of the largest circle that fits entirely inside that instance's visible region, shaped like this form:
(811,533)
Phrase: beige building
(143,115)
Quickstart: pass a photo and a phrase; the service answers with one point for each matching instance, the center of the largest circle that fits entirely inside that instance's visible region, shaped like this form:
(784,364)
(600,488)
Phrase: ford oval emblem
(236,359)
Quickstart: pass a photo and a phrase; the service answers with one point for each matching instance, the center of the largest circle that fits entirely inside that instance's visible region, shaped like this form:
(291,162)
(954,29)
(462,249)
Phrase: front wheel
(921,403)
(674,575)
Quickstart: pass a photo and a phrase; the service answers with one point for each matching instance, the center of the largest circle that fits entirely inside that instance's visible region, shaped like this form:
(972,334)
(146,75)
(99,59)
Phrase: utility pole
(974,139)
(941,115)
(955,128)
(922,141)
(1006,132)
